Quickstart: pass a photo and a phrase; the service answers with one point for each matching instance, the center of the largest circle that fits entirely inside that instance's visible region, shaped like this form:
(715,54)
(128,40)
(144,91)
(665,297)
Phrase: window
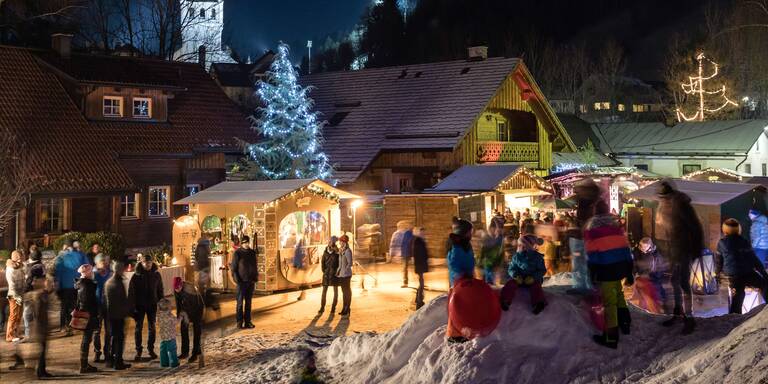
(202,12)
(602,105)
(621,107)
(129,206)
(159,201)
(748,168)
(405,185)
(688,168)
(583,108)
(190,190)
(191,13)
(644,167)
(113,106)
(213,13)
(142,107)
(51,215)
(765,171)
(501,127)
(640,107)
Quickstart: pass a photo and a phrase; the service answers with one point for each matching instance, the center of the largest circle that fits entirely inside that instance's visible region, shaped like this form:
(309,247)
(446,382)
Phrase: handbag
(79,320)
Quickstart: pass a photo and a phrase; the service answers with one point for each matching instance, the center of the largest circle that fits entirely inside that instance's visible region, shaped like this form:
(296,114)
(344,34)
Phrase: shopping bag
(79,320)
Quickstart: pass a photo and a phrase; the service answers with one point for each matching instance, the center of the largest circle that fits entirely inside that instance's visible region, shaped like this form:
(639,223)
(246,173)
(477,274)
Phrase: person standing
(190,309)
(420,262)
(14,273)
(739,264)
(678,223)
(203,268)
(344,274)
(101,275)
(34,267)
(87,302)
(490,253)
(405,253)
(245,273)
(34,253)
(119,306)
(548,249)
(329,264)
(166,322)
(758,233)
(65,272)
(146,289)
(37,300)
(95,250)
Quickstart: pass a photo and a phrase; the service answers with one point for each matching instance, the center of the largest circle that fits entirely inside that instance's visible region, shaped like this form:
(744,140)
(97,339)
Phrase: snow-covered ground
(552,347)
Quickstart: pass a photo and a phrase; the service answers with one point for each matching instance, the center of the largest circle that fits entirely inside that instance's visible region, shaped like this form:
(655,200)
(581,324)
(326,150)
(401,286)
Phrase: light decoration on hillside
(291,135)
(695,87)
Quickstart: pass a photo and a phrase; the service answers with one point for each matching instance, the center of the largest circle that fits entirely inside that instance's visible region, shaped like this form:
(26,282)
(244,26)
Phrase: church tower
(202,24)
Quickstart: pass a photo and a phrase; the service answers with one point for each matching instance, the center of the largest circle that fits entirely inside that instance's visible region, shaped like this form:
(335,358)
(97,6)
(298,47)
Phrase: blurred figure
(203,268)
(758,233)
(587,195)
(87,302)
(145,289)
(34,267)
(14,274)
(420,262)
(65,272)
(36,298)
(650,265)
(190,309)
(245,272)
(490,253)
(679,224)
(549,250)
(739,264)
(405,253)
(101,274)
(118,306)
(329,265)
(166,322)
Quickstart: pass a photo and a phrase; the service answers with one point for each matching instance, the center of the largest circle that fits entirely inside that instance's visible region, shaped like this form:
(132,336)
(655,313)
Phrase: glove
(529,280)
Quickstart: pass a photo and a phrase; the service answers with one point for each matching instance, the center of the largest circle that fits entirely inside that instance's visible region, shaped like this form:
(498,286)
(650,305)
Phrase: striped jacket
(608,253)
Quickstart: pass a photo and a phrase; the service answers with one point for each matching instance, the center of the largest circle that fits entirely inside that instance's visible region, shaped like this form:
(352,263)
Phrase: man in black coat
(189,308)
(738,264)
(146,289)
(245,273)
(420,262)
(118,306)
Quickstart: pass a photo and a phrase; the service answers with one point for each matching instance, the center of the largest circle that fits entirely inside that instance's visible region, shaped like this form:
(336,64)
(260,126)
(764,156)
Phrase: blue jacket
(528,263)
(461,263)
(66,267)
(736,257)
(758,233)
(100,281)
(405,245)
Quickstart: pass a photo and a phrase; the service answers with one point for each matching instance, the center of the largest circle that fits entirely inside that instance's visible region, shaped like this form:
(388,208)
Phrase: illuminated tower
(202,24)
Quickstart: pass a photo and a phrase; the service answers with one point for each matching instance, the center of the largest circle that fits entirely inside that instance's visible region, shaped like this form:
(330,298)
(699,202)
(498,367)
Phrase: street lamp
(355,205)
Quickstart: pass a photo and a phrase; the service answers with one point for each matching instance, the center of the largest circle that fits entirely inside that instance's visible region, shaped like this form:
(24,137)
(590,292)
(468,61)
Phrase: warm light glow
(695,86)
(174,261)
(357,204)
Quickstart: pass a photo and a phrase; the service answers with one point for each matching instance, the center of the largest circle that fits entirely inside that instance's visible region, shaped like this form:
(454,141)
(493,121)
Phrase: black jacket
(202,254)
(244,267)
(86,296)
(189,301)
(330,264)
(735,257)
(116,299)
(420,255)
(146,287)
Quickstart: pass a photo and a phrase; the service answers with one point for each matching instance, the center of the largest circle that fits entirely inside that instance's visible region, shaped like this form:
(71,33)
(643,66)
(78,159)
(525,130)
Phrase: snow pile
(559,279)
(553,347)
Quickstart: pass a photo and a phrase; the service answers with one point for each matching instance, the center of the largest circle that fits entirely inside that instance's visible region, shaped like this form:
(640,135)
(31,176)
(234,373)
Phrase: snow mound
(559,279)
(552,347)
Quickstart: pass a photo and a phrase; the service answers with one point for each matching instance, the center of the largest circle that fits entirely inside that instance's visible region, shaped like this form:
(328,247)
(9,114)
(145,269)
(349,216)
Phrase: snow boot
(248,325)
(538,307)
(609,338)
(624,320)
(457,339)
(688,325)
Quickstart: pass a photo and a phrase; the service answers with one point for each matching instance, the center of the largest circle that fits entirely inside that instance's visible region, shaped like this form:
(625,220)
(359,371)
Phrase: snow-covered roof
(476,178)
(700,192)
(256,191)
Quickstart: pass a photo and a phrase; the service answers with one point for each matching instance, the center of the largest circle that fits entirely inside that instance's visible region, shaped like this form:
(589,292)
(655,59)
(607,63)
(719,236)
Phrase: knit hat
(529,242)
(164,304)
(85,270)
(646,245)
(731,227)
(178,284)
(344,239)
(334,239)
(753,214)
(462,228)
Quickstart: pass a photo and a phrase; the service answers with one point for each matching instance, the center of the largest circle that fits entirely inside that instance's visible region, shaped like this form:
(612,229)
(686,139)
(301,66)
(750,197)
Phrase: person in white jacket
(14,273)
(344,273)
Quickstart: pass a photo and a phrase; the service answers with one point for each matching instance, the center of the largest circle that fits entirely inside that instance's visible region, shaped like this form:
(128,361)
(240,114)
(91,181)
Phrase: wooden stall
(434,212)
(289,223)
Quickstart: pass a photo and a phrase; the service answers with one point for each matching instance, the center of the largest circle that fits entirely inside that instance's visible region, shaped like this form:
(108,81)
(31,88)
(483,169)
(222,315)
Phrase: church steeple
(202,24)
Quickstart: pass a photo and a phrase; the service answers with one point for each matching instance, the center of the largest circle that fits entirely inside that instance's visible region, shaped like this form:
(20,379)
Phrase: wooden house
(404,128)
(113,140)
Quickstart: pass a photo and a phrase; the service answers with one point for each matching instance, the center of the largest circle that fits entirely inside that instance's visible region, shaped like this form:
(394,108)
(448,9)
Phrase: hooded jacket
(66,268)
(735,257)
(119,304)
(146,287)
(528,263)
(608,254)
(190,302)
(461,262)
(758,233)
(244,267)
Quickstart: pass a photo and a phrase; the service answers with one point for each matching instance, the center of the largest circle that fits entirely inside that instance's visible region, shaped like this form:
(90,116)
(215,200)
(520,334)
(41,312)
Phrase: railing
(491,151)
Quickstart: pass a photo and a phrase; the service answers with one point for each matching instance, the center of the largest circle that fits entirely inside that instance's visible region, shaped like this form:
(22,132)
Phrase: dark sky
(256,25)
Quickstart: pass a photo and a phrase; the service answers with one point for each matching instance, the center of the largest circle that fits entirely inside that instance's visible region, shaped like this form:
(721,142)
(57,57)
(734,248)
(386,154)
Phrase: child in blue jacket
(526,269)
(461,258)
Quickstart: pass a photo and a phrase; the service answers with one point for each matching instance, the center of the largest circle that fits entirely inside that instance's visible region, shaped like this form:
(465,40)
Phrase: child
(738,262)
(167,322)
(461,264)
(650,263)
(548,250)
(527,270)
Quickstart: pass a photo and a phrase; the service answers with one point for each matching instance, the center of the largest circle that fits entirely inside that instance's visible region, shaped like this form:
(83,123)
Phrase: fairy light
(695,86)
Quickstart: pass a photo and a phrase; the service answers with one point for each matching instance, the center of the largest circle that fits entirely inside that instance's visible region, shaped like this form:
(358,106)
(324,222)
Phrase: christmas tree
(695,87)
(291,135)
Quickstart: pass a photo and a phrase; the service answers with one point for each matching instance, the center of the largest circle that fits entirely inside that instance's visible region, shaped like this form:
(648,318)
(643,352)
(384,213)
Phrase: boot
(43,374)
(688,325)
(625,320)
(152,355)
(538,307)
(121,365)
(138,356)
(17,363)
(86,368)
(192,358)
(671,321)
(609,338)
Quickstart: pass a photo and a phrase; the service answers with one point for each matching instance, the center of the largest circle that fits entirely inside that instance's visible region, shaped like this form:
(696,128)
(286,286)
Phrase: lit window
(688,168)
(142,107)
(606,105)
(597,107)
(129,206)
(51,215)
(113,106)
(202,12)
(159,201)
(621,107)
(583,108)
(190,190)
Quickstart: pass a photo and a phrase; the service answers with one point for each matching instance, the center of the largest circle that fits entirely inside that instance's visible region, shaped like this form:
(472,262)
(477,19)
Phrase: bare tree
(16,173)
(125,12)
(98,26)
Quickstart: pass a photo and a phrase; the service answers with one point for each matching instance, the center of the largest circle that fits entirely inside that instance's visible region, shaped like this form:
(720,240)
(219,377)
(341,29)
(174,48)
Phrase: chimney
(62,44)
(477,53)
(201,56)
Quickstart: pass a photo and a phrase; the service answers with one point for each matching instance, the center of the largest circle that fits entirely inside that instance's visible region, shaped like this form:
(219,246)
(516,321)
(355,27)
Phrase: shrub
(67,238)
(111,243)
(5,254)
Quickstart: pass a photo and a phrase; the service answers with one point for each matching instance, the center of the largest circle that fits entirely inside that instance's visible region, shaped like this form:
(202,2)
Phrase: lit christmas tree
(695,87)
(291,144)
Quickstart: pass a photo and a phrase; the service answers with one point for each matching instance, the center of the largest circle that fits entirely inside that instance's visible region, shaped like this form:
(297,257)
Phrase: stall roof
(256,191)
(700,192)
(475,178)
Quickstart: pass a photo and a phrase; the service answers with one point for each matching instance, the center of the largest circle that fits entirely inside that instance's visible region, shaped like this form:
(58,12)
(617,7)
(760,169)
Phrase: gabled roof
(721,137)
(240,74)
(579,130)
(255,191)
(700,192)
(413,107)
(79,155)
(476,178)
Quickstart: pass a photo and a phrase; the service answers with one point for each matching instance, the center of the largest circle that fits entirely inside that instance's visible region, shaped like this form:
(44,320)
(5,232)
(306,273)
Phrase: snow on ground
(552,347)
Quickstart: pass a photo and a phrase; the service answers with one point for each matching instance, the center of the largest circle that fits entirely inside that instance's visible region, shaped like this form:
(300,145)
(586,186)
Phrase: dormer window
(112,106)
(202,13)
(142,107)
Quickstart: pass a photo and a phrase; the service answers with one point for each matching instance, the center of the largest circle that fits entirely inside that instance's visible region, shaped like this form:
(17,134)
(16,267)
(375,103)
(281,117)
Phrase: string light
(695,86)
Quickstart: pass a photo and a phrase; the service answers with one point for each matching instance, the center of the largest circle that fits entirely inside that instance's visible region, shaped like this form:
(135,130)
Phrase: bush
(111,243)
(157,253)
(5,254)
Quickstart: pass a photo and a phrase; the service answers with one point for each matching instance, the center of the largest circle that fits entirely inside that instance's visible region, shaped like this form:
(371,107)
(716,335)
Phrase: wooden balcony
(493,151)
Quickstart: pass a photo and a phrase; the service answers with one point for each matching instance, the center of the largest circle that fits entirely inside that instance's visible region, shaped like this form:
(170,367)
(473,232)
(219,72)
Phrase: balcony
(494,151)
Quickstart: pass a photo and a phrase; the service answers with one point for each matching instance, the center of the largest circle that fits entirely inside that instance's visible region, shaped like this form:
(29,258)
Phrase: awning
(700,192)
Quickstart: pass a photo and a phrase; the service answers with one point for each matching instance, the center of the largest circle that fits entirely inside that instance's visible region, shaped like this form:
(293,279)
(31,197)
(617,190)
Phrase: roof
(700,192)
(563,159)
(413,107)
(579,130)
(476,178)
(79,155)
(255,191)
(722,137)
(241,74)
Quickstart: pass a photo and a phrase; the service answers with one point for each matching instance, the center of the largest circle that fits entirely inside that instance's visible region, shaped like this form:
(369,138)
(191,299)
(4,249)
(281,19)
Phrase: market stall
(289,223)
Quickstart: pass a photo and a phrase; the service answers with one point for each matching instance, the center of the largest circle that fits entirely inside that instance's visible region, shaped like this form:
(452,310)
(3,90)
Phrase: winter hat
(529,242)
(85,271)
(665,188)
(99,258)
(344,239)
(462,228)
(334,239)
(731,227)
(646,245)
(178,283)
(164,304)
(754,214)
